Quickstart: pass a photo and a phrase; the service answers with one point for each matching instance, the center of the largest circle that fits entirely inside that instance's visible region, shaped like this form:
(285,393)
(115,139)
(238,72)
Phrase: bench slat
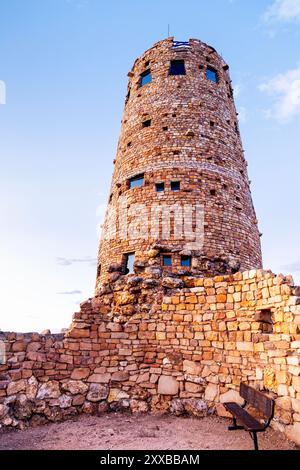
(248,422)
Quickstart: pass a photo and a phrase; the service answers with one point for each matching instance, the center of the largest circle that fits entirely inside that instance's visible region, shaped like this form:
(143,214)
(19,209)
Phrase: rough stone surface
(167,385)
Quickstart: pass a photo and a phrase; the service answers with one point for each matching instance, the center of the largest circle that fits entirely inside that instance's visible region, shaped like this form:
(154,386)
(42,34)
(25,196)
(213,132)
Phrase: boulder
(177,407)
(195,407)
(75,387)
(99,378)
(97,392)
(49,390)
(168,385)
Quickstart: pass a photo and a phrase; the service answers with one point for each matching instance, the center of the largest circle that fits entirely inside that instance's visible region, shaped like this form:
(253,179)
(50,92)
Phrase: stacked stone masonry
(193,138)
(168,344)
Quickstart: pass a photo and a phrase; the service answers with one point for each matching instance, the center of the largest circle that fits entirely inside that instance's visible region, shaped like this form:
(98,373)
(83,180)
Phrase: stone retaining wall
(162,345)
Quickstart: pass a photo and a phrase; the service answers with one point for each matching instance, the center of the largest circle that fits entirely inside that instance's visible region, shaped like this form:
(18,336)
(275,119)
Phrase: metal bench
(261,403)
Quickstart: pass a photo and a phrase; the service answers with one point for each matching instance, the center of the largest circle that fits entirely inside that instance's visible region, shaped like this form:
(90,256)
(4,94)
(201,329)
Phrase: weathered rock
(99,378)
(116,394)
(75,387)
(177,407)
(16,387)
(80,373)
(89,408)
(168,385)
(32,388)
(172,283)
(195,407)
(120,376)
(78,400)
(138,406)
(97,392)
(49,390)
(22,407)
(102,408)
(64,401)
(231,396)
(191,367)
(4,409)
(211,392)
(293,433)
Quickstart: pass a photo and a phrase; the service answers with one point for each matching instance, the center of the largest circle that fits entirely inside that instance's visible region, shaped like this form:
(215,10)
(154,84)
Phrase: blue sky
(64,64)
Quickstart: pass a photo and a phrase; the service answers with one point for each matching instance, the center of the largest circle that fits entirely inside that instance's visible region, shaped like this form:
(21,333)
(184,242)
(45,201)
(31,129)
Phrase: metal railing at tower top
(177,44)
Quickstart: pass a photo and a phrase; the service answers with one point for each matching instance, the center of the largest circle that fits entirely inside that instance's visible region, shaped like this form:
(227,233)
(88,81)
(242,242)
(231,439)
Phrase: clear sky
(64,64)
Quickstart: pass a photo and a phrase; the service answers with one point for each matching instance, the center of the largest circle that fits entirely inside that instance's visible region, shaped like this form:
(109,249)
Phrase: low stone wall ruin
(162,345)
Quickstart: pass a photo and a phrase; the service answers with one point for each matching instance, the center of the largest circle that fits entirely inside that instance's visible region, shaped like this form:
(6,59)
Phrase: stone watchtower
(180,198)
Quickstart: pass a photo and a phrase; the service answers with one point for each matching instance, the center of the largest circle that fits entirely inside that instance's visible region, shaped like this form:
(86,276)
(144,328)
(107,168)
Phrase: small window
(177,67)
(129,262)
(146,77)
(165,128)
(160,187)
(212,124)
(129,144)
(186,261)
(236,127)
(264,317)
(175,185)
(136,181)
(147,123)
(212,192)
(167,260)
(212,75)
(127,97)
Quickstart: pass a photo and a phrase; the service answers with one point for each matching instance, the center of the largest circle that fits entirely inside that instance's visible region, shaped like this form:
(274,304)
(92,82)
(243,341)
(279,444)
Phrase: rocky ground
(143,432)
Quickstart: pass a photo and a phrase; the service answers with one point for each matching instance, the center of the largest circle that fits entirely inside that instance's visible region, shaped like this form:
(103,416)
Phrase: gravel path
(140,432)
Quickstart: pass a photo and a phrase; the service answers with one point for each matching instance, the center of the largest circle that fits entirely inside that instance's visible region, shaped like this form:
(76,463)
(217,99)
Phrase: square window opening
(145,77)
(175,185)
(212,192)
(147,123)
(167,260)
(137,181)
(212,75)
(129,263)
(177,67)
(99,271)
(186,261)
(160,187)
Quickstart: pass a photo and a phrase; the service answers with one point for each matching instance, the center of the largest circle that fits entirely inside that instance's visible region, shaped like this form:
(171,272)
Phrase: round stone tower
(180,199)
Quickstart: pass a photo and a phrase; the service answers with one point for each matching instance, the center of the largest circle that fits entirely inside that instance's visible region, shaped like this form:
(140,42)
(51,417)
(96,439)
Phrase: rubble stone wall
(169,345)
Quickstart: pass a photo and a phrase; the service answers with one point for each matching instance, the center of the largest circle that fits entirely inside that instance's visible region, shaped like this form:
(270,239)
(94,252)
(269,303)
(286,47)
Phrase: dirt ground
(140,432)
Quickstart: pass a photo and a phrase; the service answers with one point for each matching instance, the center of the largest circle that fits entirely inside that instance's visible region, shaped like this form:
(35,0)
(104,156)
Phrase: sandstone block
(232,396)
(100,378)
(211,392)
(80,373)
(16,387)
(167,385)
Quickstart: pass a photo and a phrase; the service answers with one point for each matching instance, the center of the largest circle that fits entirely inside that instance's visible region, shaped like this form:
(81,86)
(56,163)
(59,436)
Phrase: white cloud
(242,114)
(285,91)
(283,10)
(237,90)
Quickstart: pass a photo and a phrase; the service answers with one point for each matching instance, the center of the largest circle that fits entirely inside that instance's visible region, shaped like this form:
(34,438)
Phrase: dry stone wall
(179,345)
